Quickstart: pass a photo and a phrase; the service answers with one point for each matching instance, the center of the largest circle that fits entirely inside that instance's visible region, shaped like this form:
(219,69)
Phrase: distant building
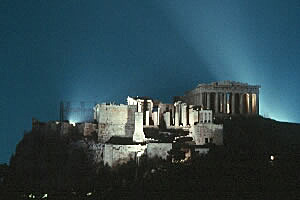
(225,97)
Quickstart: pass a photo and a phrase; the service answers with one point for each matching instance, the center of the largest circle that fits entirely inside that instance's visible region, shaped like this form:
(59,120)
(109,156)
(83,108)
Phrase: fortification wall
(120,154)
(115,120)
(86,129)
(208,133)
(159,150)
(97,151)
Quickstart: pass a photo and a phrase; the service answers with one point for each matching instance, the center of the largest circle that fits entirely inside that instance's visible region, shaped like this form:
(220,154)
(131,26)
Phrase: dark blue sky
(106,50)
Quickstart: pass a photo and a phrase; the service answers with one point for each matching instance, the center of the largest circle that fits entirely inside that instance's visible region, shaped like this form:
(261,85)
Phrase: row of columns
(227,102)
(186,115)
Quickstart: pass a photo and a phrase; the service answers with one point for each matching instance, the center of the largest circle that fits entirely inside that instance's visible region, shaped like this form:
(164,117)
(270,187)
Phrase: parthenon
(225,97)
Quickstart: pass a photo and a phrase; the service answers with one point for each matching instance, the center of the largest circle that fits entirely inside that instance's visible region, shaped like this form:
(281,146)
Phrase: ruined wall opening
(213,97)
(227,103)
(237,104)
(221,103)
(204,100)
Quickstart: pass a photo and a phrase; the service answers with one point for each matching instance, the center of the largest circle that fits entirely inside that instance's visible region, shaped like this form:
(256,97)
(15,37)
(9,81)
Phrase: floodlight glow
(228,108)
(89,194)
(72,122)
(139,154)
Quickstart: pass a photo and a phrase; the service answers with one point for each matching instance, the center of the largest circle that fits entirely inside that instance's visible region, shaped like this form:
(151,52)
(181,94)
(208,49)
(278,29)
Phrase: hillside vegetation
(241,169)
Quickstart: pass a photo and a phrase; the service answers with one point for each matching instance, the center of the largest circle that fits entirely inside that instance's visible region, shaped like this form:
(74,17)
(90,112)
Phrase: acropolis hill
(149,127)
(150,149)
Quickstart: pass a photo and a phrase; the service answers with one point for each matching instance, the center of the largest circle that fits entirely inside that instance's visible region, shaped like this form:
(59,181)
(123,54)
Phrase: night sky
(106,50)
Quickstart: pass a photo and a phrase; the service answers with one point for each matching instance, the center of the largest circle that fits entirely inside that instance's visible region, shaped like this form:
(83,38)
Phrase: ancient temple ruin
(225,97)
(150,127)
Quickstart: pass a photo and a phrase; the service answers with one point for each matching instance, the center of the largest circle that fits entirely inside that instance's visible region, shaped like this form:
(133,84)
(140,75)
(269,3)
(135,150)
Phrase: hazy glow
(73,119)
(228,108)
(72,122)
(233,48)
(271,110)
(89,194)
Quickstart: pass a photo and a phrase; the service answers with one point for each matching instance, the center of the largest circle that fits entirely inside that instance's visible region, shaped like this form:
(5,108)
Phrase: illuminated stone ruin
(121,128)
(138,135)
(115,120)
(225,97)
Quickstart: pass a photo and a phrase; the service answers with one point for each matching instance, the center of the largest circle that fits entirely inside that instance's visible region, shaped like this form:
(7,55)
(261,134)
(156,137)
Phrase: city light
(272,157)
(89,194)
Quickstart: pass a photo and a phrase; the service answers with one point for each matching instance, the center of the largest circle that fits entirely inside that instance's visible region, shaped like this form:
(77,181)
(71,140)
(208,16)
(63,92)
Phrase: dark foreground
(241,169)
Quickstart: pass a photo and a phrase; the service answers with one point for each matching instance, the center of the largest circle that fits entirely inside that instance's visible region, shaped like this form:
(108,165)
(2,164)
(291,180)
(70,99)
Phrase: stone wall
(163,108)
(86,129)
(144,104)
(46,126)
(205,116)
(97,151)
(115,120)
(120,154)
(65,128)
(207,133)
(201,151)
(159,150)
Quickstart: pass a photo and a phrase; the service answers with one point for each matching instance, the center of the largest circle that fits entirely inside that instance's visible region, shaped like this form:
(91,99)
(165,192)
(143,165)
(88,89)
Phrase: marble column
(191,116)
(250,104)
(139,106)
(232,103)
(208,101)
(154,118)
(224,103)
(183,114)
(158,116)
(201,99)
(176,118)
(167,119)
(177,114)
(221,103)
(196,116)
(138,135)
(257,104)
(253,103)
(173,116)
(216,102)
